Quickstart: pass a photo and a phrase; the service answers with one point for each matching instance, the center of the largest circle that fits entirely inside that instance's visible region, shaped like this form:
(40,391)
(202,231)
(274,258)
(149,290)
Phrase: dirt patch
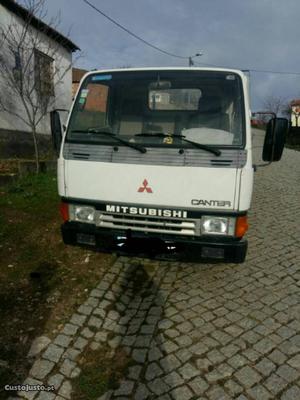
(101,371)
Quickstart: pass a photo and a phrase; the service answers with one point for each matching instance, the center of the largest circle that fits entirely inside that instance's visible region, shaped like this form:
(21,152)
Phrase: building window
(43,71)
(17,69)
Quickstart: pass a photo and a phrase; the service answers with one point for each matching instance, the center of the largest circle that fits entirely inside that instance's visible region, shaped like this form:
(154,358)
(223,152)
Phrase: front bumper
(205,249)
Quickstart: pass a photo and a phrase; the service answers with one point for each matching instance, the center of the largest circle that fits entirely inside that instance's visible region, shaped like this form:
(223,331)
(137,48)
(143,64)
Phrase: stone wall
(19,144)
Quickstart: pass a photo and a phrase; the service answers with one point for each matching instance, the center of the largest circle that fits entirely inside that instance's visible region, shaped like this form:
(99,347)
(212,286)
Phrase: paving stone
(95,322)
(38,345)
(71,354)
(164,397)
(277,357)
(229,350)
(92,301)
(56,380)
(204,364)
(288,373)
(46,396)
(288,348)
(258,392)
(53,353)
(185,327)
(65,390)
(198,385)
(134,372)
(173,379)
(217,393)
(295,361)
(101,336)
(237,361)
(182,393)
(32,394)
(62,340)
(292,393)
(199,349)
(153,370)
(251,354)
(70,329)
(67,367)
(225,370)
(158,386)
(171,333)
(264,346)
(184,355)
(247,376)
(183,341)
(85,310)
(169,347)
(139,355)
(142,393)
(215,356)
(165,324)
(87,333)
(75,373)
(188,371)
(147,329)
(125,389)
(154,354)
(78,319)
(265,366)
(41,368)
(80,343)
(169,363)
(95,346)
(143,341)
(233,388)
(275,384)
(97,293)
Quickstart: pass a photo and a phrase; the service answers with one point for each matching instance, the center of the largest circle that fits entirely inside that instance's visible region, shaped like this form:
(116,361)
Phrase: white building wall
(63,90)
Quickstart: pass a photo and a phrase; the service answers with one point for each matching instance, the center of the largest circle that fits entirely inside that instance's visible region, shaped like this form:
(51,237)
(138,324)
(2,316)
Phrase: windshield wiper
(106,132)
(199,145)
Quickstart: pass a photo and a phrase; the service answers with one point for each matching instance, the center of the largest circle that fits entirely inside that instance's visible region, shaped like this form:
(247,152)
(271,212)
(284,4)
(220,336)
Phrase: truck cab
(159,160)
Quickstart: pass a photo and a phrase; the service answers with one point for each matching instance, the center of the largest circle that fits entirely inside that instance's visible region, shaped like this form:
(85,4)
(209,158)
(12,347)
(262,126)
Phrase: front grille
(175,226)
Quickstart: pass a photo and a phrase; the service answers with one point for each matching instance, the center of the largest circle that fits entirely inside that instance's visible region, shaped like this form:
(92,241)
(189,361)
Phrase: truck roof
(229,70)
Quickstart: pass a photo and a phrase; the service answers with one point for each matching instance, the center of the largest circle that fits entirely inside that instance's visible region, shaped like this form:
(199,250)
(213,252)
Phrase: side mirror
(276,131)
(56,130)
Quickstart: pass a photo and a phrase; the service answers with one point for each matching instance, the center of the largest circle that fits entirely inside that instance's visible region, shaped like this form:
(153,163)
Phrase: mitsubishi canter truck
(160,160)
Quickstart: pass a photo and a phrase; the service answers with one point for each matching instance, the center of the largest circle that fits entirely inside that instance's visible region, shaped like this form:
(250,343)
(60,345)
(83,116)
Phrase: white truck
(159,161)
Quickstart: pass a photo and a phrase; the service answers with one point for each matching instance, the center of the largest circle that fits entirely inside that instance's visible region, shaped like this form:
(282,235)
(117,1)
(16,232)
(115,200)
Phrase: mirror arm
(255,166)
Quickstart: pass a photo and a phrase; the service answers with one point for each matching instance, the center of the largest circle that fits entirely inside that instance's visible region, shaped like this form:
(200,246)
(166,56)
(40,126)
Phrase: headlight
(82,213)
(211,225)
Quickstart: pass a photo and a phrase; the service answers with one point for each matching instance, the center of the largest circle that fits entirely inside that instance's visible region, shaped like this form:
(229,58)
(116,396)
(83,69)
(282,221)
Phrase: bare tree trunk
(36,149)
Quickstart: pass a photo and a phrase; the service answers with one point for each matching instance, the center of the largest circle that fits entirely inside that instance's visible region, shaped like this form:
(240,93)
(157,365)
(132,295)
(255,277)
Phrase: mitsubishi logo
(145,186)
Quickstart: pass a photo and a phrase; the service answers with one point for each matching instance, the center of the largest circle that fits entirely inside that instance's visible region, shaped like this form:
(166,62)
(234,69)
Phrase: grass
(42,281)
(100,371)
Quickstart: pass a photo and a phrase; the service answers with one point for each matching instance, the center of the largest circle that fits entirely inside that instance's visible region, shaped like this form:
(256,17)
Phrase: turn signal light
(241,226)
(64,211)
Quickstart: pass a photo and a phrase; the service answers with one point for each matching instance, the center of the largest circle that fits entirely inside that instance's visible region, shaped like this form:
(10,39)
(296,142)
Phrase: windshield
(205,107)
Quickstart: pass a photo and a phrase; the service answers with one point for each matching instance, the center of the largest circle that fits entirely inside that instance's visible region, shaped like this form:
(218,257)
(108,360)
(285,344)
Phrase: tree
(29,75)
(276,104)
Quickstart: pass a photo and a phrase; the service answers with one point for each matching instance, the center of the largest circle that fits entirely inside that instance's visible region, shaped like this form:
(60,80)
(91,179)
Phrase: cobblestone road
(199,331)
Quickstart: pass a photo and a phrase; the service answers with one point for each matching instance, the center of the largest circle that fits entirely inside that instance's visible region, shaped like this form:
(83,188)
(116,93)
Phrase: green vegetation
(42,281)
